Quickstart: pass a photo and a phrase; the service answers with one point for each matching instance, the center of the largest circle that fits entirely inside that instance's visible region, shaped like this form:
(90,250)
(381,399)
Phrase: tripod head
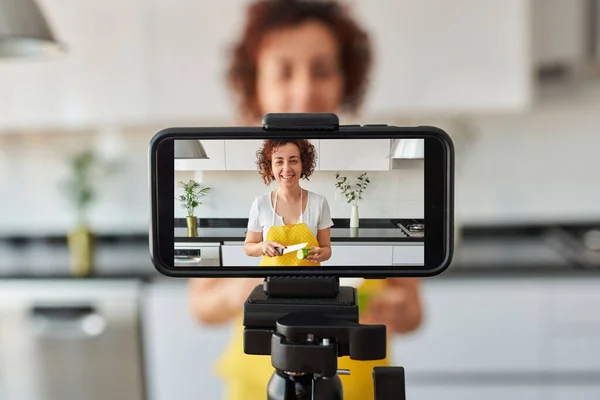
(305,324)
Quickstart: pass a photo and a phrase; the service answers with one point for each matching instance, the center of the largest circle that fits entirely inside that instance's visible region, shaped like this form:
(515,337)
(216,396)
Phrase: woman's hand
(239,290)
(218,300)
(268,248)
(319,254)
(397,305)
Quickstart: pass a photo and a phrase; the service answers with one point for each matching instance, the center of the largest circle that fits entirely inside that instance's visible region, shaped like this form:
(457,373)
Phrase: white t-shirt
(317,215)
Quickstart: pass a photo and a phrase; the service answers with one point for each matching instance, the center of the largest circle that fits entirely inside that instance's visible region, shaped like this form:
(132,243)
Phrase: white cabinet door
(581,391)
(354,155)
(190,43)
(573,325)
(476,326)
(359,254)
(408,254)
(233,255)
(101,79)
(241,154)
(435,56)
(215,149)
(474,391)
(180,352)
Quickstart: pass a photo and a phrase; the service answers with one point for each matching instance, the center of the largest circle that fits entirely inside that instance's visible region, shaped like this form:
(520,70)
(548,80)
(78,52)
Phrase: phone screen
(347,205)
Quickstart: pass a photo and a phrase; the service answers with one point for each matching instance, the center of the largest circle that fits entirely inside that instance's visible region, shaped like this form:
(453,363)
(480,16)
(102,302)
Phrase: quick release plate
(301,121)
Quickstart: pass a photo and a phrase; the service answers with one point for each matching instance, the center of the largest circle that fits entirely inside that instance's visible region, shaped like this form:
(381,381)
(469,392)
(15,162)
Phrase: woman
(298,56)
(289,215)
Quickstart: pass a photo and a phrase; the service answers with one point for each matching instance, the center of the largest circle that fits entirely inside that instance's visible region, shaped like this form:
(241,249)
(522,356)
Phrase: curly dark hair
(264,156)
(264,16)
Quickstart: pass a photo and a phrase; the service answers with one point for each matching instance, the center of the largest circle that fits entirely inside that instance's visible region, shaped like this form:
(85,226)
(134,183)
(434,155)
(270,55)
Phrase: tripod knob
(389,383)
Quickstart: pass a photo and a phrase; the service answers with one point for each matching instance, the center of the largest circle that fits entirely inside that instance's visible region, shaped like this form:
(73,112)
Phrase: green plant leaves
(353,194)
(192,193)
(86,172)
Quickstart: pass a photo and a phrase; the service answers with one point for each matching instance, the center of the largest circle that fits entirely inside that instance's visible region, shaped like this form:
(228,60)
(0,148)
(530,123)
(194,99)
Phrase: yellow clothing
(247,376)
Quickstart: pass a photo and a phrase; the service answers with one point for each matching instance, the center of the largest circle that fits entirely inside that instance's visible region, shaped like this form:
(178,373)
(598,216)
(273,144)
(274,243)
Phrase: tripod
(305,324)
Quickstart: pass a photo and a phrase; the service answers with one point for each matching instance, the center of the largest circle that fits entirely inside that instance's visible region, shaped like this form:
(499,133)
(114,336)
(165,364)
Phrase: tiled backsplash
(544,166)
(391,194)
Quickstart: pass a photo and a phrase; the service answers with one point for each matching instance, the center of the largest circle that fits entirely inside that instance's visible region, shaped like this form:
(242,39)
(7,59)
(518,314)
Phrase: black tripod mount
(305,324)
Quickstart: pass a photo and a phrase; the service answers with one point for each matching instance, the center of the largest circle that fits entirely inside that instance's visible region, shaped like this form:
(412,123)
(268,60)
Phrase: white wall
(31,166)
(391,194)
(540,166)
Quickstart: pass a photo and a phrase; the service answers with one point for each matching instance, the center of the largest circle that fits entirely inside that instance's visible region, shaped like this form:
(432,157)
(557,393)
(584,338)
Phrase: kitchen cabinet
(359,253)
(409,254)
(102,79)
(477,326)
(435,56)
(481,338)
(573,327)
(573,391)
(188,45)
(232,254)
(241,154)
(497,391)
(354,155)
(480,331)
(159,62)
(462,62)
(215,149)
(180,352)
(342,253)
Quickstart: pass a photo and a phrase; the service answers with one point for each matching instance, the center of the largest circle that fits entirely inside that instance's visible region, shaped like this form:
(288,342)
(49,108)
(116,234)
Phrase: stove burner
(412,227)
(416,227)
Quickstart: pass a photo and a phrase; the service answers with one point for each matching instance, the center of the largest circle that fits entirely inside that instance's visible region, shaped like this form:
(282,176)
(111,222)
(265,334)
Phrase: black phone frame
(438,198)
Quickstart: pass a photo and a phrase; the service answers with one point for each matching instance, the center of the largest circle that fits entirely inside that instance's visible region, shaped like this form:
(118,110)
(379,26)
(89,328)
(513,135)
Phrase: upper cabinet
(354,155)
(164,62)
(240,155)
(439,56)
(188,43)
(102,79)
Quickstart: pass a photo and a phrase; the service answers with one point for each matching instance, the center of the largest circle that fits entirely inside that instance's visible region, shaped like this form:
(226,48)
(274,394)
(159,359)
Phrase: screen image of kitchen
(227,191)
(86,85)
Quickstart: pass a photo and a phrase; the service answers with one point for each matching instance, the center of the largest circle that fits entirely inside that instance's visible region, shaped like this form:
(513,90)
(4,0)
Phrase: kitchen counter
(484,252)
(477,258)
(234,230)
(337,234)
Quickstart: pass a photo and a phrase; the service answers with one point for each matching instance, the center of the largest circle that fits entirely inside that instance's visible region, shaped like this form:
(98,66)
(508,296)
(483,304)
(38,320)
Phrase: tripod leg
(389,383)
(283,387)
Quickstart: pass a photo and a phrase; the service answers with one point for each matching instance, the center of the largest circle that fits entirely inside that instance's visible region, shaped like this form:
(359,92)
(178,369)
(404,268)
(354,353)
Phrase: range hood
(407,149)
(24,32)
(190,149)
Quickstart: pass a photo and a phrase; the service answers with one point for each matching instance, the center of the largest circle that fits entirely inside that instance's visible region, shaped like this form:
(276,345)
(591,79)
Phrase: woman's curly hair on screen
(264,155)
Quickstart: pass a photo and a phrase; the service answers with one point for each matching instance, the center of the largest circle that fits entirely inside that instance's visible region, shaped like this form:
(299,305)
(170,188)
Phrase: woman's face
(298,70)
(287,165)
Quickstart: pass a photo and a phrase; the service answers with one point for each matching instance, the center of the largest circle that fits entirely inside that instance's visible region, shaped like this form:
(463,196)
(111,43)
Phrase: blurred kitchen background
(516,83)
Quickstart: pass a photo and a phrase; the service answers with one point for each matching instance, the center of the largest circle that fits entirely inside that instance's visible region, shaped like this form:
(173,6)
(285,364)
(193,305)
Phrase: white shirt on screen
(317,215)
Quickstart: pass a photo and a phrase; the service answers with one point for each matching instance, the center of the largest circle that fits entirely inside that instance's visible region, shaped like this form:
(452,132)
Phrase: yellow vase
(81,251)
(192,225)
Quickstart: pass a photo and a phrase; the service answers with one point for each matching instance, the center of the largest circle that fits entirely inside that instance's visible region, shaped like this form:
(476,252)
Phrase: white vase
(354,217)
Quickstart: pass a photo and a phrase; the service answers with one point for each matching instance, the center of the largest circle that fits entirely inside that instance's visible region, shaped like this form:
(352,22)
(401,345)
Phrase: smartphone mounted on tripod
(301,316)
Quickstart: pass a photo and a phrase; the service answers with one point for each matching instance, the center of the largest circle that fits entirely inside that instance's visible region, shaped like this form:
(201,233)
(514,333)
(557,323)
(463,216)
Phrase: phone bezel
(438,199)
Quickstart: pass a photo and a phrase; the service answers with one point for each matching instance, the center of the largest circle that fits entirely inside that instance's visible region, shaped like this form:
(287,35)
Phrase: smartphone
(368,193)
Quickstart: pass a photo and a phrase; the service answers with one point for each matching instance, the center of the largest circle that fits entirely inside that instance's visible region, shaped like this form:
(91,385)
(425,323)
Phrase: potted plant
(86,171)
(353,193)
(190,200)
